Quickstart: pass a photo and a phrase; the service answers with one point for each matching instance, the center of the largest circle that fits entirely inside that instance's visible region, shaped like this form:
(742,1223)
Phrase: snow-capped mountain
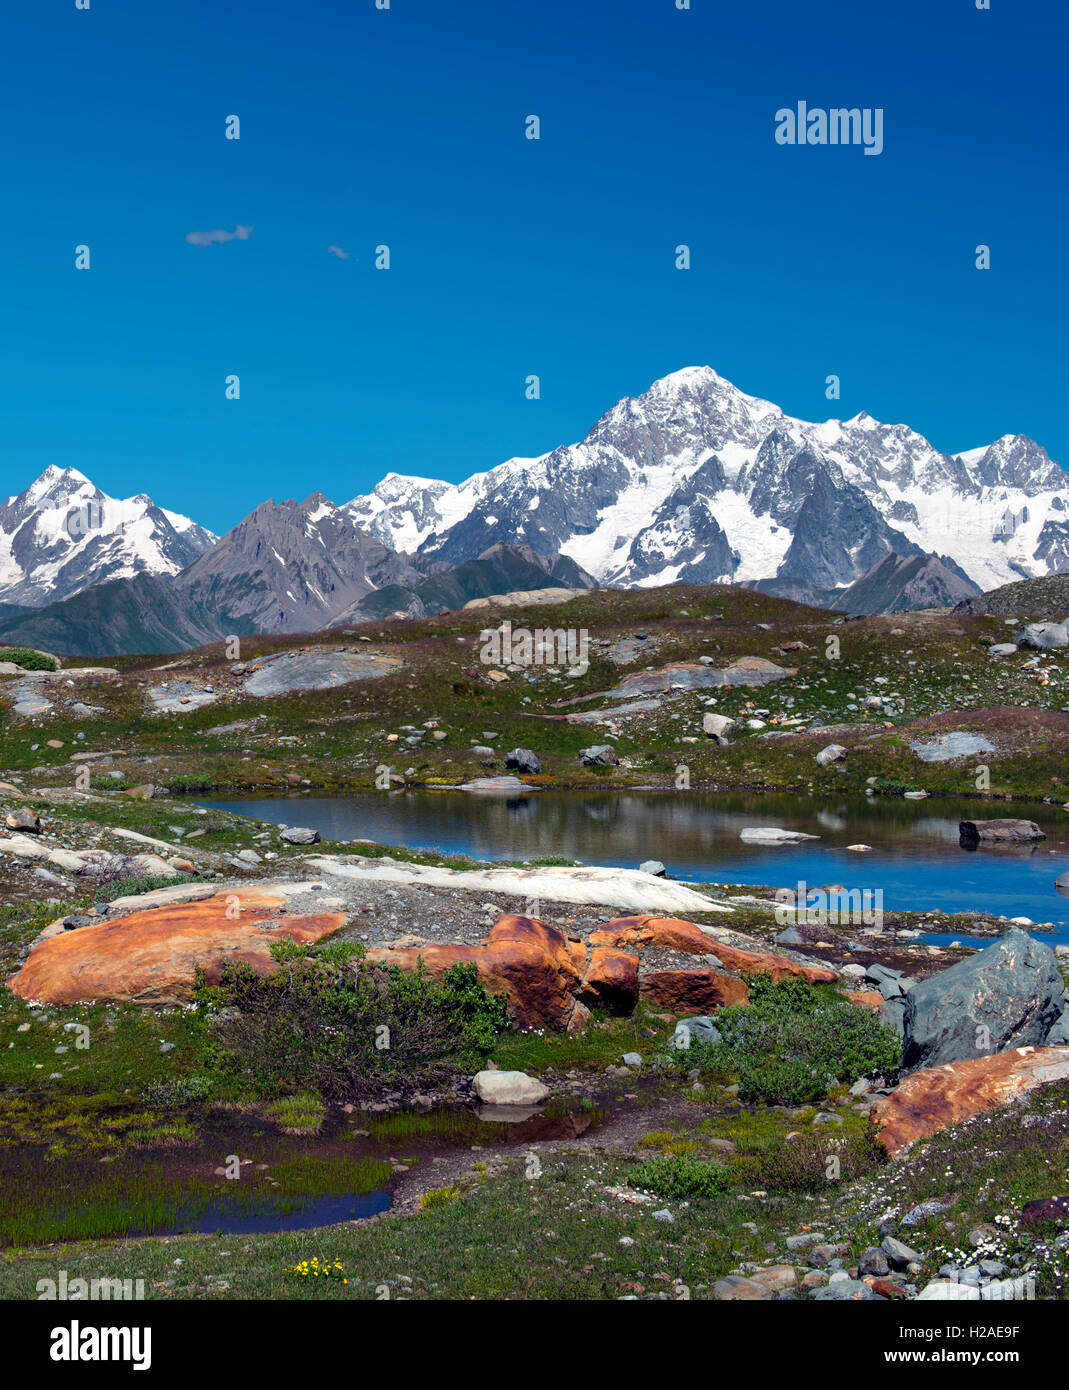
(695,481)
(63,535)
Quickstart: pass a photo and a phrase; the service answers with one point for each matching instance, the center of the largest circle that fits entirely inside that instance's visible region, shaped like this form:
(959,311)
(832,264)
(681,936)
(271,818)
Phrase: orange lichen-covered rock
(151,957)
(868,999)
(524,958)
(765,963)
(673,933)
(937,1097)
(693,991)
(611,981)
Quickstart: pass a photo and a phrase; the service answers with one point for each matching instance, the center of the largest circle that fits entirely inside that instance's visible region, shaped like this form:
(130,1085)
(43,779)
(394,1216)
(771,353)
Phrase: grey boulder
(1009,995)
(698,1029)
(847,1291)
(1044,636)
(598,755)
(1006,831)
(509,1088)
(717,726)
(523,760)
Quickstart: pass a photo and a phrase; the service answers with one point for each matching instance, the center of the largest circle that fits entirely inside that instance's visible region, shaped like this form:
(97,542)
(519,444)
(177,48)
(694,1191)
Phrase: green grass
(602,1043)
(302,1113)
(341,734)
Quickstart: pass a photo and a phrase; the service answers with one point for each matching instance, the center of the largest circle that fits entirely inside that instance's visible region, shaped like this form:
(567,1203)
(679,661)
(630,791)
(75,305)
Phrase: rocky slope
(1030,598)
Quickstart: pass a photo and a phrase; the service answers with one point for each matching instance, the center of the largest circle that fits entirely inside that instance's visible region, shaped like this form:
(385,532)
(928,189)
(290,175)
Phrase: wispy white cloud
(217,237)
(337,251)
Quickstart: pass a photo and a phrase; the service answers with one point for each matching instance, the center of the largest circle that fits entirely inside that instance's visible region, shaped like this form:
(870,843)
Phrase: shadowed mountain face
(502,569)
(895,584)
(289,567)
(233,590)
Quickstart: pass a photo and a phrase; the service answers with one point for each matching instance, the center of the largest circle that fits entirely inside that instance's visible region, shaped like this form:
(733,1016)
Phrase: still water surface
(916,859)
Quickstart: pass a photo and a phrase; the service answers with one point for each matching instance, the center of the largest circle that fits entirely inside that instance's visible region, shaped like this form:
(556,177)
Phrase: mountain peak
(63,535)
(54,482)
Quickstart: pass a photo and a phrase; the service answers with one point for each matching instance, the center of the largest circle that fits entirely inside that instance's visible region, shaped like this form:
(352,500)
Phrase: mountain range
(692,482)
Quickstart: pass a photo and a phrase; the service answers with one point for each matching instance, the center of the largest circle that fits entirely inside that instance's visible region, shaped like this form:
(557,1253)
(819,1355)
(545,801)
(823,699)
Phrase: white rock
(717,726)
(509,1088)
(24,847)
(772,835)
(945,1290)
(605,887)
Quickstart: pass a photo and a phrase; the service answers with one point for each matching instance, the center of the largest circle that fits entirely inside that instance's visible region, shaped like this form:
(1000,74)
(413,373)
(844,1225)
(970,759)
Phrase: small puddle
(284,1215)
(284,1182)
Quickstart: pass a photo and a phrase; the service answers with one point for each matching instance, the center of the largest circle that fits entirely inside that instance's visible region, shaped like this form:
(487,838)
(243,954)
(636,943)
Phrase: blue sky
(509,256)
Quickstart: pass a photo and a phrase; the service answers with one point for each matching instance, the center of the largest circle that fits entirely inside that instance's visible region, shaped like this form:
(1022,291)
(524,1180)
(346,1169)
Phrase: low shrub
(177,1093)
(27,658)
(326,1022)
(680,1175)
(793,1042)
(439,1197)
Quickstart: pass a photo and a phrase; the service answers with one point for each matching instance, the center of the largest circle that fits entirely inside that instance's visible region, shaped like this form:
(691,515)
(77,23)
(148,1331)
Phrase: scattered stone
(899,1253)
(834,753)
(299,835)
(873,1261)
